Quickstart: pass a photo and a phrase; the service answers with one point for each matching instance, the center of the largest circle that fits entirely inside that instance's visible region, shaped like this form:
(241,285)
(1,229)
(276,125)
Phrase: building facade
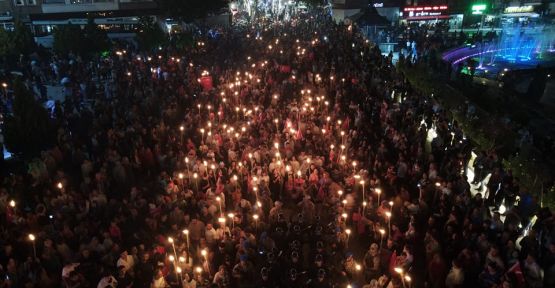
(118,17)
(41,14)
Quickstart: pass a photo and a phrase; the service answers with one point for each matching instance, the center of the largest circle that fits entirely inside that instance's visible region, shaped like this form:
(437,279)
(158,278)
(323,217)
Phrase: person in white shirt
(455,278)
(210,234)
(126,261)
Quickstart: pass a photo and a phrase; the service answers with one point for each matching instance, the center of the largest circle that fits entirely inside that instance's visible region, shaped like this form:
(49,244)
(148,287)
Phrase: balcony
(68,6)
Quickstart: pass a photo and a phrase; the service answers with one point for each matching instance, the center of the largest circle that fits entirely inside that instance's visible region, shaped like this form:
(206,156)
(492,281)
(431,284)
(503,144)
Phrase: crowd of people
(280,155)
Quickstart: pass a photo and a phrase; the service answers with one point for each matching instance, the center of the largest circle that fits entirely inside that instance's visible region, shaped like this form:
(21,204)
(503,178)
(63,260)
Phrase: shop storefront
(425,14)
(520,14)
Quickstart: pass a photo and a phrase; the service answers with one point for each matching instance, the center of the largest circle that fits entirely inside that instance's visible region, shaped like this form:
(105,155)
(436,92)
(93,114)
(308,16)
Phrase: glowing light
(502,209)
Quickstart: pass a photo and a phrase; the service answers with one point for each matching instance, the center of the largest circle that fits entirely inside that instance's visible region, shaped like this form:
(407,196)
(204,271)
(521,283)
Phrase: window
(31,2)
(19,2)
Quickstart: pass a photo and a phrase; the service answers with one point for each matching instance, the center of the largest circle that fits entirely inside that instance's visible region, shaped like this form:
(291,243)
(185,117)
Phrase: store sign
(519,9)
(425,12)
(479,9)
(425,8)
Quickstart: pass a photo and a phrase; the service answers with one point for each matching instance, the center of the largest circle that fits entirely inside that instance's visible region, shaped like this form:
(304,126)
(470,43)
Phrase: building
(118,17)
(6,15)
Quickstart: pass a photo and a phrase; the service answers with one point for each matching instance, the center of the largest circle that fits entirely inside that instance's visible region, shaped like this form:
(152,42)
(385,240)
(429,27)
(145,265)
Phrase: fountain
(516,48)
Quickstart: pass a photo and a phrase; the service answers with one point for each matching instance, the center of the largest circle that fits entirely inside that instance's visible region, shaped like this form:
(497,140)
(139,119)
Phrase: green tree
(69,39)
(149,34)
(22,39)
(28,130)
(190,10)
(96,39)
(6,45)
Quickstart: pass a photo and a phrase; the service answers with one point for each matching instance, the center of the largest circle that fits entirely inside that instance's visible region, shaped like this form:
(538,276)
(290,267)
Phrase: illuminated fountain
(516,48)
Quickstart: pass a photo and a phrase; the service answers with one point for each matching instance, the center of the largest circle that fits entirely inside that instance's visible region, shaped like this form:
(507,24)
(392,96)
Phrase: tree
(6,45)
(96,39)
(85,42)
(190,10)
(69,39)
(28,129)
(22,39)
(150,35)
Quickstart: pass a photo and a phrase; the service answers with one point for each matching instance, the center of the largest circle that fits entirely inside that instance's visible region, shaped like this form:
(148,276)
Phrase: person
(159,281)
(455,277)
(534,273)
(372,265)
(188,281)
(143,163)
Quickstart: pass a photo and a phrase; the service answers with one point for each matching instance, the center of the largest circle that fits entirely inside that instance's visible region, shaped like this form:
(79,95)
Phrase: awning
(369,17)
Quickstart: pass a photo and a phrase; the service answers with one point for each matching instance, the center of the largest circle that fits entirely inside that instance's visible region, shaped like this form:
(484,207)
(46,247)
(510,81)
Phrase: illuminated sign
(519,9)
(378,5)
(425,12)
(425,8)
(479,9)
